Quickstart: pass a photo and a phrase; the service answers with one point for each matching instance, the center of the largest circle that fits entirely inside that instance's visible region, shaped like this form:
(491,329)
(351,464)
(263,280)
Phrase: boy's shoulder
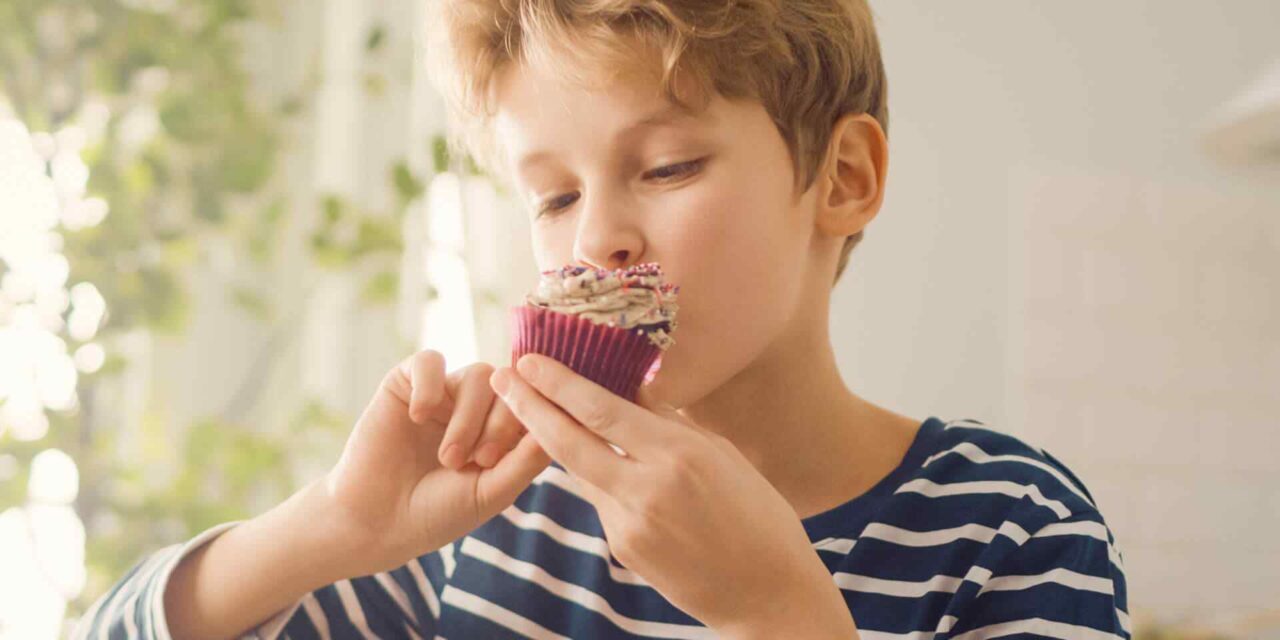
(963,457)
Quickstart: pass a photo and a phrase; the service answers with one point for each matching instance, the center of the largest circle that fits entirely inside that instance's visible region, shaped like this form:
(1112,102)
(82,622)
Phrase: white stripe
(907,588)
(1064,577)
(1038,626)
(1124,620)
(838,545)
(483,608)
(934,490)
(138,579)
(316,613)
(557,477)
(900,588)
(865,634)
(393,589)
(978,575)
(446,557)
(908,538)
(573,539)
(945,624)
(428,594)
(351,604)
(578,594)
(974,531)
(963,422)
(1095,530)
(977,455)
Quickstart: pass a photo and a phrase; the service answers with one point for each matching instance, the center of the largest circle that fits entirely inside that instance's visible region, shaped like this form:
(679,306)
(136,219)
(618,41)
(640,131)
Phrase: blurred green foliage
(203,176)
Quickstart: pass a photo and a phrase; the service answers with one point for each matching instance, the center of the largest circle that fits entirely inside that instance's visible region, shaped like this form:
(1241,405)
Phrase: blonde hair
(809,62)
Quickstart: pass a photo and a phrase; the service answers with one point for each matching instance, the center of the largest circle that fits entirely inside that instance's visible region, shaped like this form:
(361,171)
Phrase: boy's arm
(226,581)
(252,571)
(1066,580)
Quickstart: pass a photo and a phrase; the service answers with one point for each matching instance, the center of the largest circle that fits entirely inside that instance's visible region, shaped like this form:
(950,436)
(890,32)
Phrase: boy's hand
(684,508)
(390,497)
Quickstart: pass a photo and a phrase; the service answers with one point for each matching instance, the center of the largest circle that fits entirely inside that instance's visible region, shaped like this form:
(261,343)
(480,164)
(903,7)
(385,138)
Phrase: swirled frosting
(634,297)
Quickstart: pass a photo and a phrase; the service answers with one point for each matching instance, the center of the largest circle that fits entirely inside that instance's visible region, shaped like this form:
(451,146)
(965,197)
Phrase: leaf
(326,253)
(377,35)
(407,186)
(440,153)
(376,234)
(375,84)
(251,301)
(246,160)
(332,208)
(382,288)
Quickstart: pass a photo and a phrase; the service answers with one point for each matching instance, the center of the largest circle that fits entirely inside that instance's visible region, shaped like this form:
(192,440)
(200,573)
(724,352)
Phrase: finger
(606,414)
(427,381)
(501,433)
(581,452)
(498,487)
(472,399)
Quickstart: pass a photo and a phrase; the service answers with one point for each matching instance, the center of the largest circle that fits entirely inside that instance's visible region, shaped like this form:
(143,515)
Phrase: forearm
(254,570)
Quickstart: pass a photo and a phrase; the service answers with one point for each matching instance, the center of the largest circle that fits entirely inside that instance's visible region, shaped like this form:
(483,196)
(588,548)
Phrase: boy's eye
(677,170)
(666,173)
(557,203)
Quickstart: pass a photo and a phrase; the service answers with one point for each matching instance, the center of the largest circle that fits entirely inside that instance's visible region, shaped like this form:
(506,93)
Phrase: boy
(742,146)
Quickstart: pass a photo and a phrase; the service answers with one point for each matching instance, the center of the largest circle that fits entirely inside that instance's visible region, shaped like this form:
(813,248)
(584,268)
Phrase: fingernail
(500,382)
(446,457)
(528,367)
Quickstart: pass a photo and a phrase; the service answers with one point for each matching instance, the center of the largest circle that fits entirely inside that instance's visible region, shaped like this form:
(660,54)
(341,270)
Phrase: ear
(853,175)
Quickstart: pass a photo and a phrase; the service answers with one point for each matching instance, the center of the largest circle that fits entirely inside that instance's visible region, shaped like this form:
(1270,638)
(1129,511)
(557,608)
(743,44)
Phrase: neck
(792,416)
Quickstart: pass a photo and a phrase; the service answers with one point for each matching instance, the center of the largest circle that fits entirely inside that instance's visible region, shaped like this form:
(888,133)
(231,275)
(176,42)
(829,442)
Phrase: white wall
(1056,258)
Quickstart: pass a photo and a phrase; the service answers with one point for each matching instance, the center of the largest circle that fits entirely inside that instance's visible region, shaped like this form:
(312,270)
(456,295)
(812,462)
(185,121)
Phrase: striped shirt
(976,534)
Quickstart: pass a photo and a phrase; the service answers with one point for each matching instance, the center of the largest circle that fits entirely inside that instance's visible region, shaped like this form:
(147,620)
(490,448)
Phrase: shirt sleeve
(392,604)
(1064,581)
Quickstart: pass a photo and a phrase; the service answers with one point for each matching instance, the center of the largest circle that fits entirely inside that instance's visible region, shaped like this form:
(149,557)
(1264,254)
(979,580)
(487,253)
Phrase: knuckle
(597,415)
(648,501)
(681,465)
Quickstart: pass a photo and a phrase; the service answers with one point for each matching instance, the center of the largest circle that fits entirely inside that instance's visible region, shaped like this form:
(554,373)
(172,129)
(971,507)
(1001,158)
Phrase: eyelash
(688,168)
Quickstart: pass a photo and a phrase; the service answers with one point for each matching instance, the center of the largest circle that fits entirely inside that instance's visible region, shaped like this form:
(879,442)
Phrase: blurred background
(222,221)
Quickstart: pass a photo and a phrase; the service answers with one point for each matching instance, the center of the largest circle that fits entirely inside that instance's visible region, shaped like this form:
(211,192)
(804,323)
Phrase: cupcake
(610,326)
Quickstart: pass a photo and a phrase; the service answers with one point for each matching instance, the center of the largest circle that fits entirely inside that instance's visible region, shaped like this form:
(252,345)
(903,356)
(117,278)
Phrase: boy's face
(617,176)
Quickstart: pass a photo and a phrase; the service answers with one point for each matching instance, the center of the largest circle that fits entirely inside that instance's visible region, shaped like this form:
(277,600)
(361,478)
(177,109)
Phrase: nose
(606,238)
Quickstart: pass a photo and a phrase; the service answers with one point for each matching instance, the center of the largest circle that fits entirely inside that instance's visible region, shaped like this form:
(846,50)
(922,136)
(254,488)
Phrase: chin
(677,383)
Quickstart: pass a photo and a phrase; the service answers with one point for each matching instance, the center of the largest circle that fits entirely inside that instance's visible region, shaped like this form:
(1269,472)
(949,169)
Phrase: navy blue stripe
(301,627)
(340,625)
(879,612)
(384,616)
(577,567)
(421,613)
(1048,601)
(463,624)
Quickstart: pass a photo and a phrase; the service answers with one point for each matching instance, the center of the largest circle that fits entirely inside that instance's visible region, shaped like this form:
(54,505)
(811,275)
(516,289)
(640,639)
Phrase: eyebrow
(665,116)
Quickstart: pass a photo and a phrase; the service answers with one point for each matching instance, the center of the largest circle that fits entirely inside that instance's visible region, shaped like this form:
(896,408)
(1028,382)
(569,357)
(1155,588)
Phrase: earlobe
(853,175)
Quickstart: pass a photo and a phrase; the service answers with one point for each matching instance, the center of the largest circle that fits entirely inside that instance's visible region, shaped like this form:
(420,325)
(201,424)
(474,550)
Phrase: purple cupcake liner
(617,359)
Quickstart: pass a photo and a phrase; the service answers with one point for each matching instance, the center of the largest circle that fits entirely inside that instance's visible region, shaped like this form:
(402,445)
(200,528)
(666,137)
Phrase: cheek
(738,261)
